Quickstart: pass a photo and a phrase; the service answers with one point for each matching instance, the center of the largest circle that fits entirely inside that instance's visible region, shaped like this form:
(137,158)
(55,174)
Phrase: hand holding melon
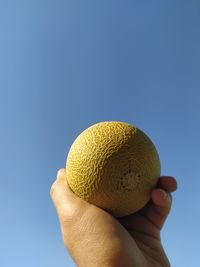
(114,166)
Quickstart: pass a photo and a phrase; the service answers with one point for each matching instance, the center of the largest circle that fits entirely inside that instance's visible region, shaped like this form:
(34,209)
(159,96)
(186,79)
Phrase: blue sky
(65,65)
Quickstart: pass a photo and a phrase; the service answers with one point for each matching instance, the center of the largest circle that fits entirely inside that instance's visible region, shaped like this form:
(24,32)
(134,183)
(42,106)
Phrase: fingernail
(165,194)
(169,197)
(59,172)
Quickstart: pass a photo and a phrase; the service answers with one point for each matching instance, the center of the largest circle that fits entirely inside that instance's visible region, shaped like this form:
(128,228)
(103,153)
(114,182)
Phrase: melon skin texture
(114,166)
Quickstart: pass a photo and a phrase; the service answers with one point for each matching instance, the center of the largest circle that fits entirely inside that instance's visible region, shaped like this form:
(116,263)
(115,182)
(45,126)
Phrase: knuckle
(74,217)
(70,216)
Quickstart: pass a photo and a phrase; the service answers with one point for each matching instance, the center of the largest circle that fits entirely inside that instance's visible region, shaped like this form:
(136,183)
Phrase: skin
(95,238)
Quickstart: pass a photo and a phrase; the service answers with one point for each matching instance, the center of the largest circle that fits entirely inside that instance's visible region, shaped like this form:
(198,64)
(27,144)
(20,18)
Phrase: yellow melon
(114,166)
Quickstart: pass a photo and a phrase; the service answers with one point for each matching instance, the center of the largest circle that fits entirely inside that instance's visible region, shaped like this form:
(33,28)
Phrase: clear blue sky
(65,65)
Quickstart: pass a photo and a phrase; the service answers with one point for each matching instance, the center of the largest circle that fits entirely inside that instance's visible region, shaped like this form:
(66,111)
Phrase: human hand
(94,238)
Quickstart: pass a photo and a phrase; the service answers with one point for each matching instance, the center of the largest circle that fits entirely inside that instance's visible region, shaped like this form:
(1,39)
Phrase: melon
(113,165)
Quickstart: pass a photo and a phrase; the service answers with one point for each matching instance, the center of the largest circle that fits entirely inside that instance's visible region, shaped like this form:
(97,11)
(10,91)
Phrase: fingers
(65,201)
(167,183)
(161,200)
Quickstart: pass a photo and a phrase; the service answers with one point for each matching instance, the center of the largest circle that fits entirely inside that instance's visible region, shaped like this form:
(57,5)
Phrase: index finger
(65,201)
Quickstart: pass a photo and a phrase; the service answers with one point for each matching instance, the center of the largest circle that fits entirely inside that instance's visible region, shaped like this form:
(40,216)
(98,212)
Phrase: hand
(95,238)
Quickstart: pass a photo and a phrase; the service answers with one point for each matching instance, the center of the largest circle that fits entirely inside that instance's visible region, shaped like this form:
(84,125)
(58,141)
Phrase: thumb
(65,201)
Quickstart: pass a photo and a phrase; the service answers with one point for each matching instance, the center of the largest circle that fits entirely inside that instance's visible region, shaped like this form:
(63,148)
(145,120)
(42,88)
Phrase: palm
(146,238)
(139,233)
(139,238)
